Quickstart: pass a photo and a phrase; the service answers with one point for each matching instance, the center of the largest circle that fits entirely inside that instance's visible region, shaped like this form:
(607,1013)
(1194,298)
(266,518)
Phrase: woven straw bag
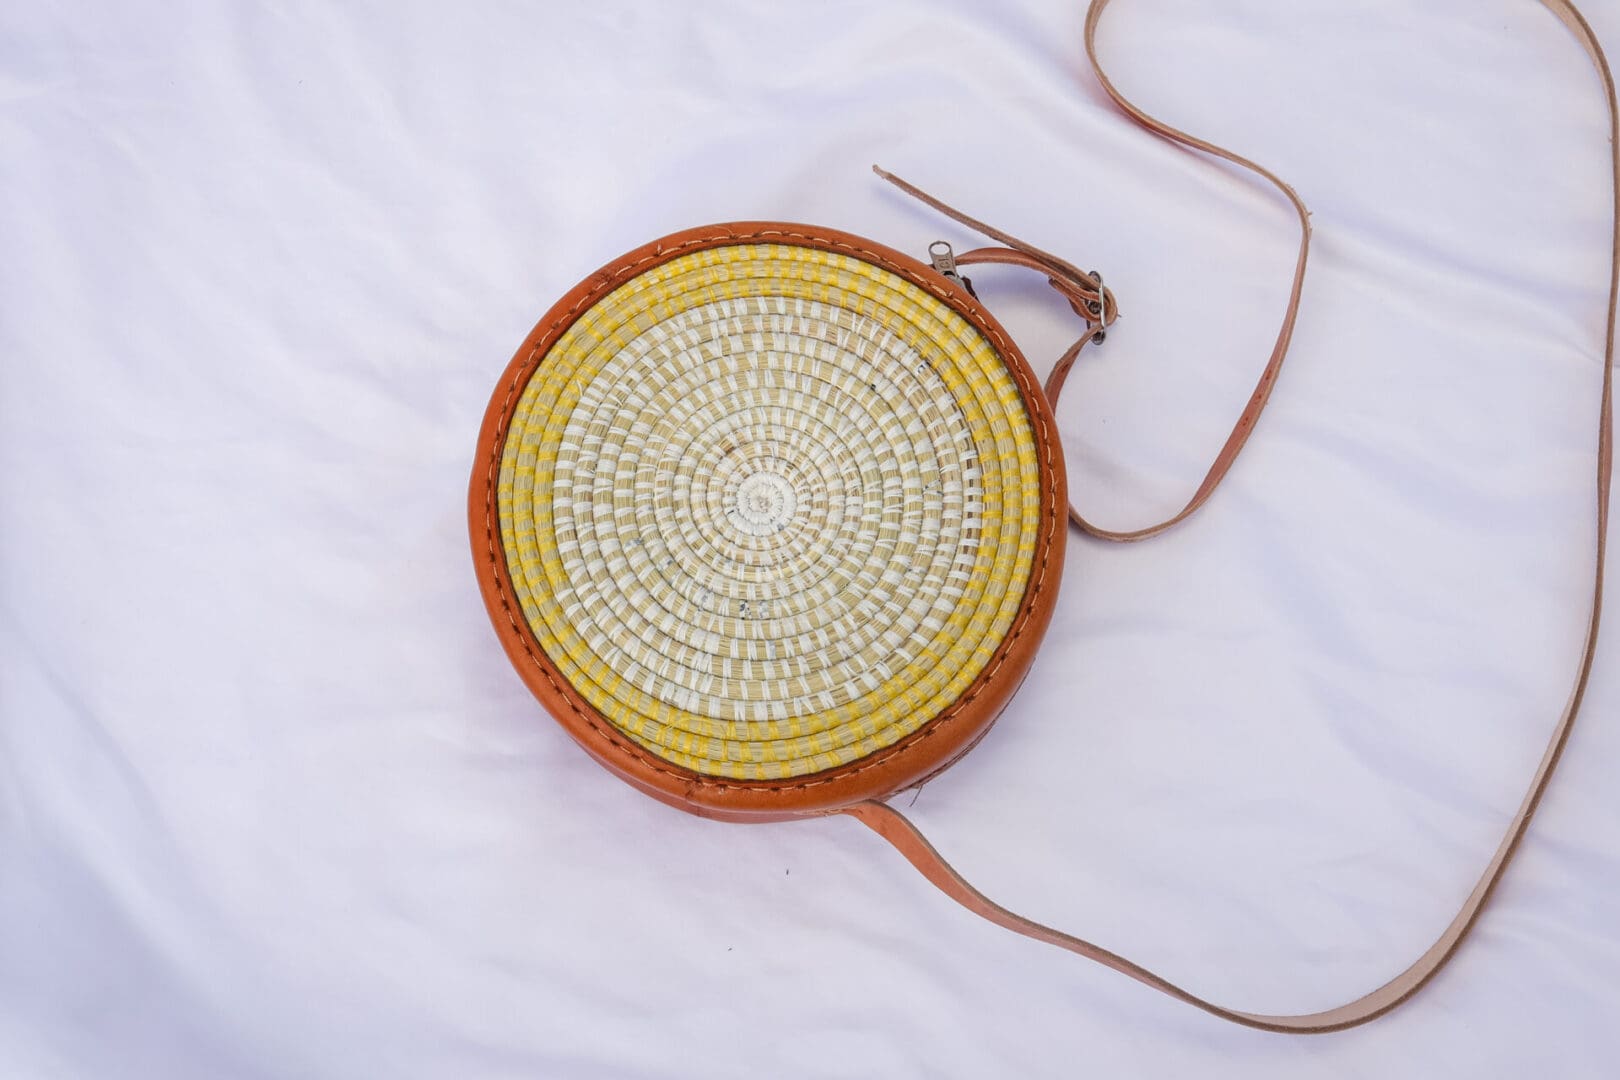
(771,519)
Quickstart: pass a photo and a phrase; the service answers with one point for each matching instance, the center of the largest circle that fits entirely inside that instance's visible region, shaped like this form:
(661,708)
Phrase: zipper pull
(944,260)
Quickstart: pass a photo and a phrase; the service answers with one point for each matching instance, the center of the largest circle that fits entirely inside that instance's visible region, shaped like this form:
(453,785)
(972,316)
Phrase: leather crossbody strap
(1085,291)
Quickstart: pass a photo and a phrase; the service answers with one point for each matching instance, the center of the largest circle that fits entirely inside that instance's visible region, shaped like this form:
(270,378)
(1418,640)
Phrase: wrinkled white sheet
(273,803)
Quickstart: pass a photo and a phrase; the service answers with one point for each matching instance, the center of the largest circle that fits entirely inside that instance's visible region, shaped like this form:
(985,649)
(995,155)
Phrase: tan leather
(908,762)
(1082,294)
(1080,289)
(893,827)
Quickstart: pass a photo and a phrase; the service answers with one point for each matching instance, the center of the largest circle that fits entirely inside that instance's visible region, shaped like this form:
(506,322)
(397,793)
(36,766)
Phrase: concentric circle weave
(769,508)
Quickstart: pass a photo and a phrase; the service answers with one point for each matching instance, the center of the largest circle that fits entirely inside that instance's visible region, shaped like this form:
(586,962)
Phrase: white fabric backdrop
(273,803)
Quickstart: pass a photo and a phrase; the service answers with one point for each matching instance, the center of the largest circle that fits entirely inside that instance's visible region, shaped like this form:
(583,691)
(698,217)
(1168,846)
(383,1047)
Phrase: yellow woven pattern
(769,508)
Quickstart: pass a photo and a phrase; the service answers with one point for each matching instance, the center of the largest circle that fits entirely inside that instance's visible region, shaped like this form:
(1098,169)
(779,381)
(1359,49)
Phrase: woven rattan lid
(769,518)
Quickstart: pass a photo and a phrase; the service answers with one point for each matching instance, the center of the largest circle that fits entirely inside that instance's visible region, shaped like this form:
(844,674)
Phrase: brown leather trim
(923,753)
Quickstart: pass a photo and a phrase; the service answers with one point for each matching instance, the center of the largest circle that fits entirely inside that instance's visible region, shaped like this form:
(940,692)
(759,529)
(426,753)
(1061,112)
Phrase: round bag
(771,518)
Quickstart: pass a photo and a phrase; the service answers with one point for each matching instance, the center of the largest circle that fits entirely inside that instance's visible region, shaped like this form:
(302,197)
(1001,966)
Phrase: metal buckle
(1099,308)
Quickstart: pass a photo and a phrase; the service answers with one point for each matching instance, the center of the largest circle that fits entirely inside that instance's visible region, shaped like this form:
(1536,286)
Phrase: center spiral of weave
(769,509)
(764,503)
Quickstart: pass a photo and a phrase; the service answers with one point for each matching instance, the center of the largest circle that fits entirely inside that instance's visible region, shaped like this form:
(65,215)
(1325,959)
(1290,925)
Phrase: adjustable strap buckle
(1096,310)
